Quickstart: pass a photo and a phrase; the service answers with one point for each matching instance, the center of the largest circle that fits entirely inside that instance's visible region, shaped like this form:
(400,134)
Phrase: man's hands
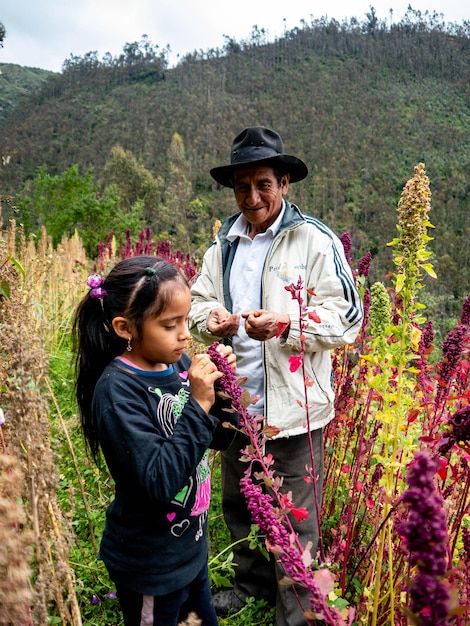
(259,324)
(222,323)
(262,325)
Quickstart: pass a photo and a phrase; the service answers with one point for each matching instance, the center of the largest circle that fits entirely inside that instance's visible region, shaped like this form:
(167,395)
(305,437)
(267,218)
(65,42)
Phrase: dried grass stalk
(15,542)
(23,369)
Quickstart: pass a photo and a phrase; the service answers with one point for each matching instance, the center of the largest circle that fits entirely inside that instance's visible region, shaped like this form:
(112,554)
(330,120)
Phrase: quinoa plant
(391,404)
(426,537)
(270,509)
(37,578)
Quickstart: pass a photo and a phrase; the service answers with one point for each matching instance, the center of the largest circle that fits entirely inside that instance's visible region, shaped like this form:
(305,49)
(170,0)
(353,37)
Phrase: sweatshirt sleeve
(141,457)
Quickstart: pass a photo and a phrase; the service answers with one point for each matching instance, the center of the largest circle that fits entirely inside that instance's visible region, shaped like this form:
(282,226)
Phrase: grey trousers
(254,574)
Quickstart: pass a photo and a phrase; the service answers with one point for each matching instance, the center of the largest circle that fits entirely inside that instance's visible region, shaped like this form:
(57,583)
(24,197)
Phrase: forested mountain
(15,82)
(361,102)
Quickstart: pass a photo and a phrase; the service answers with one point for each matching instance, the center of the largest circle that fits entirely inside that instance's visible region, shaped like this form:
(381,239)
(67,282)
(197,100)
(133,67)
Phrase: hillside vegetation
(15,82)
(361,102)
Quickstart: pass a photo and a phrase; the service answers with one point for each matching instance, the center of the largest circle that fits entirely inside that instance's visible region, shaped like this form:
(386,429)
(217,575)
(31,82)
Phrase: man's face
(259,195)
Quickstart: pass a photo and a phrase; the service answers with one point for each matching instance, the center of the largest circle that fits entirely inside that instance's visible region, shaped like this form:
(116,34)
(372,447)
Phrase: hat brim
(286,163)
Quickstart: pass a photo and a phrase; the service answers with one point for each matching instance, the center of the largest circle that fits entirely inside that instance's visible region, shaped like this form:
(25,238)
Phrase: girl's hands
(203,374)
(228,353)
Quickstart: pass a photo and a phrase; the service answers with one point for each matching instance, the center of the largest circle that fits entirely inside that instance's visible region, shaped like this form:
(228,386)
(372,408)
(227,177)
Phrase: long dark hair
(133,289)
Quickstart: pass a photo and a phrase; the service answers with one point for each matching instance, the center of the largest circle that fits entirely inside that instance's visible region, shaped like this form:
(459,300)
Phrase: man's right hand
(222,323)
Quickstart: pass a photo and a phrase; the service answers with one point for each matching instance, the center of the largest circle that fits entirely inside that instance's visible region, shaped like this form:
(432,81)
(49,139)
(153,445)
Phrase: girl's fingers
(204,363)
(203,367)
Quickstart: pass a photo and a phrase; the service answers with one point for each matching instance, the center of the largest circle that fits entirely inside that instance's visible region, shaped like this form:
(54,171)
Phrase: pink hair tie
(94,282)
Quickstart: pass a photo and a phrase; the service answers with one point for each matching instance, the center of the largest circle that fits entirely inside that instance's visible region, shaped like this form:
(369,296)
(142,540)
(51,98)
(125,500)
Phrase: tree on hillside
(139,61)
(137,184)
(178,189)
(69,202)
(191,222)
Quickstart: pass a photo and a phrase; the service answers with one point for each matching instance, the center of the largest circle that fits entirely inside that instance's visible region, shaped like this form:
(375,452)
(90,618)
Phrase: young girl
(153,414)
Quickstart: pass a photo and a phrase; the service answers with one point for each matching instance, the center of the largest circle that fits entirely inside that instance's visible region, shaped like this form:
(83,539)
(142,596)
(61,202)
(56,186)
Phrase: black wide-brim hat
(260,146)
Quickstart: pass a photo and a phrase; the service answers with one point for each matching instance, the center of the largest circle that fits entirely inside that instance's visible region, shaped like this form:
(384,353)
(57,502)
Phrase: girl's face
(164,337)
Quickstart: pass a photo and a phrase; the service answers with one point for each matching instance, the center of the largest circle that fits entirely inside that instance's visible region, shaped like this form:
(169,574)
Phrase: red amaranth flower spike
(452,348)
(363,267)
(228,383)
(263,507)
(347,245)
(426,537)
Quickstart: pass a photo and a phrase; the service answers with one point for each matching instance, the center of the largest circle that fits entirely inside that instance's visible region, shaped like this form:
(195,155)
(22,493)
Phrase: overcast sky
(44,33)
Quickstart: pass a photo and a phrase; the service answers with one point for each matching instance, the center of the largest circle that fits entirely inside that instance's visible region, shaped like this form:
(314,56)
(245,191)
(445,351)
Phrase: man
(240,296)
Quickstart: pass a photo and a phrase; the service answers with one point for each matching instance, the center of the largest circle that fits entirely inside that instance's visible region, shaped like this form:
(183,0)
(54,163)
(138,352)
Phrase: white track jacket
(304,248)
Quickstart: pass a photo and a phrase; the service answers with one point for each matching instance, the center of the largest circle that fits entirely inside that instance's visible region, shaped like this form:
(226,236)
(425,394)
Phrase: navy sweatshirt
(155,439)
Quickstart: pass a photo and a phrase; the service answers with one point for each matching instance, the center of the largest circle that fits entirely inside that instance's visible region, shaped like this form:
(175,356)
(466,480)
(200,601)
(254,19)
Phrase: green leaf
(18,265)
(339,603)
(400,282)
(428,268)
(423,254)
(5,289)
(220,581)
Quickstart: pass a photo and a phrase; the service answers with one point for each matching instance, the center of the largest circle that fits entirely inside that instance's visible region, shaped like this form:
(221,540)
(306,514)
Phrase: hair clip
(94,282)
(150,271)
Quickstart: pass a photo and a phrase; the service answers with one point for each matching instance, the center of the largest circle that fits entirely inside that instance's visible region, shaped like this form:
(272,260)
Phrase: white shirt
(245,291)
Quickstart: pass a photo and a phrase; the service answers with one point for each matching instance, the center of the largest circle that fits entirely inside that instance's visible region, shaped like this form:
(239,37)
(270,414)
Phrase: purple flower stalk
(366,304)
(425,536)
(280,540)
(452,348)
(466,557)
(425,344)
(363,267)
(465,317)
(459,432)
(347,245)
(228,382)
(277,538)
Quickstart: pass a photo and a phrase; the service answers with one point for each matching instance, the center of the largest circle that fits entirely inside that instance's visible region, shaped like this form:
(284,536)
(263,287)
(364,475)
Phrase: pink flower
(313,315)
(300,514)
(294,363)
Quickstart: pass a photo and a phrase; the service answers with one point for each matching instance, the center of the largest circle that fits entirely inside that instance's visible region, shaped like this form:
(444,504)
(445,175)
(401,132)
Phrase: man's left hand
(262,325)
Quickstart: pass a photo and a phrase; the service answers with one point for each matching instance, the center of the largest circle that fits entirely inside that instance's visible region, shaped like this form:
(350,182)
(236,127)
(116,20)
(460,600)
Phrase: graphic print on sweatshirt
(169,410)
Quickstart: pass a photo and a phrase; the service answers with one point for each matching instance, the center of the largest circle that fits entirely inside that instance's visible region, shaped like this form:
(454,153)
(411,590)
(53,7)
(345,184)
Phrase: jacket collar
(292,217)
